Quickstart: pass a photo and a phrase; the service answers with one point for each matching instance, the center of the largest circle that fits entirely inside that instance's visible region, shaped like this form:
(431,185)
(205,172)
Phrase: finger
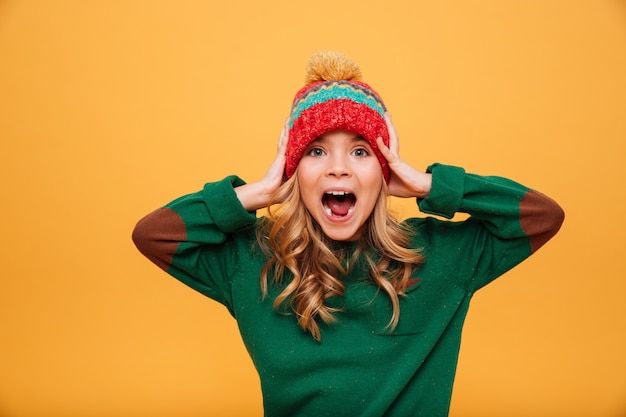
(394,142)
(385,151)
(284,137)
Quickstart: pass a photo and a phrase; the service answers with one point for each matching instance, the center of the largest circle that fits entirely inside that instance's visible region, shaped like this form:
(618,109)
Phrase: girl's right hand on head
(275,174)
(257,195)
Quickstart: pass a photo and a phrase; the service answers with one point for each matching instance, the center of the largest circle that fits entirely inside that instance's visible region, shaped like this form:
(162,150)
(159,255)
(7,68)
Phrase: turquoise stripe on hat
(335,91)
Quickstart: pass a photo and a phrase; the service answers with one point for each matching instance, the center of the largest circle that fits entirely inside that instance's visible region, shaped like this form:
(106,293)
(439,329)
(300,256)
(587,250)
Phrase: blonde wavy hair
(294,242)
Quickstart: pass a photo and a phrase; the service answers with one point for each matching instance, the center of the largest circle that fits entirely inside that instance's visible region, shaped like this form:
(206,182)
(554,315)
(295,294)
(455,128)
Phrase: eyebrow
(354,138)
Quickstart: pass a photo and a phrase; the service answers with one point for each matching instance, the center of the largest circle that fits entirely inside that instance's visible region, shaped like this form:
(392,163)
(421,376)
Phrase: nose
(338,166)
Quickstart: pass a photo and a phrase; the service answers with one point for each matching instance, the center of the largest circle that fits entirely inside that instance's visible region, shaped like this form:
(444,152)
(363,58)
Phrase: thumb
(386,152)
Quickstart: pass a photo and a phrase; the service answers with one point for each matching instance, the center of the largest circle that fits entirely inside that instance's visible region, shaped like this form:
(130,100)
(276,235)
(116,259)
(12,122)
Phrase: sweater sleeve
(196,237)
(508,221)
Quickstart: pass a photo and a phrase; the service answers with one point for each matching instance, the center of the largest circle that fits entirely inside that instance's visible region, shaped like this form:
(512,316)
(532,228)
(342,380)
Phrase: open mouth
(338,203)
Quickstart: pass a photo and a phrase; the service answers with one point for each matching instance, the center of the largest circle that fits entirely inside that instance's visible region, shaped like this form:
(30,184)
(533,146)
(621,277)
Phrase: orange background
(111,109)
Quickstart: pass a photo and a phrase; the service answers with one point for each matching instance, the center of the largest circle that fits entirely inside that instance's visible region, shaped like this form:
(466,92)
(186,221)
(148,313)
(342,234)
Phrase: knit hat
(335,98)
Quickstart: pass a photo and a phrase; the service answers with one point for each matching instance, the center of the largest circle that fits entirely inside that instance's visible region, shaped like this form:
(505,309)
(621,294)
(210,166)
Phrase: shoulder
(432,235)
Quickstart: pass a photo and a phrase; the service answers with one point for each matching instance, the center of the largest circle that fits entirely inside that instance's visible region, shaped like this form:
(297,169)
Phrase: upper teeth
(337,192)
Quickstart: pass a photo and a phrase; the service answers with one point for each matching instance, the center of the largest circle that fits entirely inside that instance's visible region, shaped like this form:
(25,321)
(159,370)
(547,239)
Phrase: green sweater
(207,241)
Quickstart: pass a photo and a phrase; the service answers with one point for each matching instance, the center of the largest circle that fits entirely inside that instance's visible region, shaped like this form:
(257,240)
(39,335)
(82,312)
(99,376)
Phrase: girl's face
(340,179)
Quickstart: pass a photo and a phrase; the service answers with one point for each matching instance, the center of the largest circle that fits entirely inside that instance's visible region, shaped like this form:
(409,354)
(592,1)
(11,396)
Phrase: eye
(360,152)
(315,152)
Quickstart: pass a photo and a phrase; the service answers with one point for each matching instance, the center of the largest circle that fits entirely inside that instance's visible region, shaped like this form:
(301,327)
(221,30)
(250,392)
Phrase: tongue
(339,205)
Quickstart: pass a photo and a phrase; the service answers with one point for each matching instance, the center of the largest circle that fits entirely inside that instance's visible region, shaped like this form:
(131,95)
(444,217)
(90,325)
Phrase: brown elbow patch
(540,218)
(158,235)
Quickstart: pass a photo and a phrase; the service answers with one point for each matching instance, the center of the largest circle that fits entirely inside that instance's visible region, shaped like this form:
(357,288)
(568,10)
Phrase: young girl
(344,310)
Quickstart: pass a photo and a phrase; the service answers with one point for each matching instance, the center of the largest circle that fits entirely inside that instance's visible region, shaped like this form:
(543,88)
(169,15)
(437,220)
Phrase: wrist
(424,185)
(253,196)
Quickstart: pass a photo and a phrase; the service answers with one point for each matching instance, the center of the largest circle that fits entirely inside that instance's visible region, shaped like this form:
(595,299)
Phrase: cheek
(306,185)
(374,177)
(307,199)
(374,185)
(305,172)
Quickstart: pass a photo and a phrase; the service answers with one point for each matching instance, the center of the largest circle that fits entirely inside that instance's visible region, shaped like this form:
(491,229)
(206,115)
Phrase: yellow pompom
(330,66)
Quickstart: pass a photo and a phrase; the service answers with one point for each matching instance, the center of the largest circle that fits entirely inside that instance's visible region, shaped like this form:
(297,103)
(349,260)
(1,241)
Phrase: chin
(343,236)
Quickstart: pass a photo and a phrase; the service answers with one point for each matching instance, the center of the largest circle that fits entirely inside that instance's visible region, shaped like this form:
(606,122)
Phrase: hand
(274,176)
(257,195)
(405,181)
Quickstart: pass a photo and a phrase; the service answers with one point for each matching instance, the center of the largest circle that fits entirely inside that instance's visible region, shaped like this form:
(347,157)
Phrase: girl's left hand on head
(405,181)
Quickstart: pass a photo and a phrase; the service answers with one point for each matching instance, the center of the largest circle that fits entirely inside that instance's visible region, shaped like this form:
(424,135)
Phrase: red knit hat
(335,98)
